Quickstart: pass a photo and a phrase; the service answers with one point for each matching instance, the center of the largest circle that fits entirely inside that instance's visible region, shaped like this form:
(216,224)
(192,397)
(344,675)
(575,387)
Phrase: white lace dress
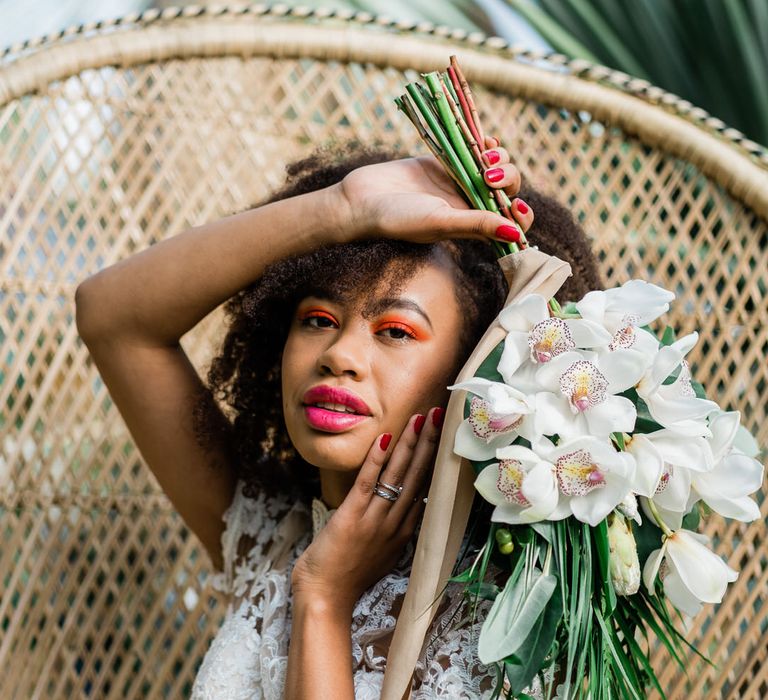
(249,655)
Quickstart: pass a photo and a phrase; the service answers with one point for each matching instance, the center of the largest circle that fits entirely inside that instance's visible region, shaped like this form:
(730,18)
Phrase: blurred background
(713,53)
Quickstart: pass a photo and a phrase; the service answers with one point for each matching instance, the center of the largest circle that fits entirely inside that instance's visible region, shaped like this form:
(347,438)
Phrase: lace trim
(248,658)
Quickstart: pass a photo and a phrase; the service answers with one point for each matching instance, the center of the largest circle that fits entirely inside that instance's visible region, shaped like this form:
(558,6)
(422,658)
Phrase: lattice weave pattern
(103,591)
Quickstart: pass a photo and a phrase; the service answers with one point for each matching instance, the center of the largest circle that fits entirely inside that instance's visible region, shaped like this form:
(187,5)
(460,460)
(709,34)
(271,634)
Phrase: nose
(346,354)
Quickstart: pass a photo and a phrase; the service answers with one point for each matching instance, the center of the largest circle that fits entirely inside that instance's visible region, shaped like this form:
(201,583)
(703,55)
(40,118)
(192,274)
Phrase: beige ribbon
(452,489)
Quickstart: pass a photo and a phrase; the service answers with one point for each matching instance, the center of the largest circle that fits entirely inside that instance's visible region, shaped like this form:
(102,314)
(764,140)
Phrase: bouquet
(599,451)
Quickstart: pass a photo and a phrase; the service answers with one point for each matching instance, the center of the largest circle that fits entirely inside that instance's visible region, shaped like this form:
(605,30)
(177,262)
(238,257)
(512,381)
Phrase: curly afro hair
(245,374)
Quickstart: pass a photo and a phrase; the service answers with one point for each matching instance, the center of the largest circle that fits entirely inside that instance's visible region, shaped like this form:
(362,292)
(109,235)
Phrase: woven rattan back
(114,137)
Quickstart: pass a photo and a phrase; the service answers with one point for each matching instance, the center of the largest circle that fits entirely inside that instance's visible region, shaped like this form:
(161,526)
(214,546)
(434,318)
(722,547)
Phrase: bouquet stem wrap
(452,490)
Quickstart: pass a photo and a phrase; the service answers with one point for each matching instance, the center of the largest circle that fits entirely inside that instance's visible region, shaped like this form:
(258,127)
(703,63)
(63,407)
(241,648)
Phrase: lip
(334,421)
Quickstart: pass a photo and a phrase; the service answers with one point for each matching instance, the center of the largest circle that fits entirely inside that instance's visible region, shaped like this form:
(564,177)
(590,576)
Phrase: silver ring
(386,494)
(396,490)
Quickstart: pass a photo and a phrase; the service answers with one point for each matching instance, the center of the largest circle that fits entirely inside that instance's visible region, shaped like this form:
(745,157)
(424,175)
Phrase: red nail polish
(493,157)
(494,175)
(508,233)
(419,424)
(437,417)
(384,442)
(521,206)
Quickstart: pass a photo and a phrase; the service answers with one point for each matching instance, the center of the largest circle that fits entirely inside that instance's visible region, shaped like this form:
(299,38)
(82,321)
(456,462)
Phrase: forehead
(429,286)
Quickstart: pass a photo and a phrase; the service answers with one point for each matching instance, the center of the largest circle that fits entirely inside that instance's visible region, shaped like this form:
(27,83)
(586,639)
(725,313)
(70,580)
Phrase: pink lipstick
(334,409)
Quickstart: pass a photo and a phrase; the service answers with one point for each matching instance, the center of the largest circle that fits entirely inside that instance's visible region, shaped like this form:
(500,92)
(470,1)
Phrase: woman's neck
(334,486)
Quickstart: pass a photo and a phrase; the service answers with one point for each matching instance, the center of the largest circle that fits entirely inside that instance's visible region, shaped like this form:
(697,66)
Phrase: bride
(354,295)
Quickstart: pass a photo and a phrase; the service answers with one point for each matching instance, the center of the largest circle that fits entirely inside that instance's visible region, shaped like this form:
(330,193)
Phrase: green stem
(664,527)
(457,140)
(445,145)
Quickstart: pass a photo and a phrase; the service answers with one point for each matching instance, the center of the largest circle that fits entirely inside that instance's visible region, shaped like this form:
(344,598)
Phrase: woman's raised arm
(132,314)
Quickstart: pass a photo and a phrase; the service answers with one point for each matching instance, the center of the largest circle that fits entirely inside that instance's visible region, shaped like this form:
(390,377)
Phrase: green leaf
(603,547)
(536,646)
(513,615)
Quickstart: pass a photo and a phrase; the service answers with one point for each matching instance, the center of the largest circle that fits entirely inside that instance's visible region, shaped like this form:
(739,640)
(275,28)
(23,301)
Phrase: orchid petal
(702,572)
(735,476)
(649,464)
(744,508)
(523,314)
(693,453)
(548,374)
(515,353)
(486,485)
(587,333)
(651,568)
(623,368)
(679,595)
(467,444)
(745,442)
(724,427)
(615,414)
(592,306)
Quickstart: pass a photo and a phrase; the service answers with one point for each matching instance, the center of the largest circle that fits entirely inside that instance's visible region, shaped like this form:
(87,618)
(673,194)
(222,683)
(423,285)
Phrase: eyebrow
(379,305)
(382,305)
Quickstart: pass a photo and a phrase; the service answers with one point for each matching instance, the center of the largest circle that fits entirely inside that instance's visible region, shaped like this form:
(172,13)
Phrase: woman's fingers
(503,176)
(362,491)
(522,212)
(420,467)
(399,464)
(495,156)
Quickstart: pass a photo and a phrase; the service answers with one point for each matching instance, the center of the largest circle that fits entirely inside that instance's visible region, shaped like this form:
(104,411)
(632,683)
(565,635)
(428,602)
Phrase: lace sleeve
(450,668)
(250,525)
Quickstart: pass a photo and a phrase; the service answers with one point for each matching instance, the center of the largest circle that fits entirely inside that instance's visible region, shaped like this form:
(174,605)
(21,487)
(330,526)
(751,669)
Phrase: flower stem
(664,527)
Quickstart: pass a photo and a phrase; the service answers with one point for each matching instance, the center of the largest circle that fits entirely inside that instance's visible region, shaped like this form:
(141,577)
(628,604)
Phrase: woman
(355,295)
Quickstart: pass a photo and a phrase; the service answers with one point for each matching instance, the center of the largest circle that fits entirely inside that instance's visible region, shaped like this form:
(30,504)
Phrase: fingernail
(521,206)
(492,157)
(384,442)
(494,175)
(508,233)
(419,424)
(437,417)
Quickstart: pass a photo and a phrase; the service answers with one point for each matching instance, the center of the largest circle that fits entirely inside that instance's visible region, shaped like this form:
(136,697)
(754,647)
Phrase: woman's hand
(365,537)
(415,199)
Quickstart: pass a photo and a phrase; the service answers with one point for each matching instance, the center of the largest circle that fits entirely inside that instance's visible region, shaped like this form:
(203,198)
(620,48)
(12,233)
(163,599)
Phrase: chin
(341,452)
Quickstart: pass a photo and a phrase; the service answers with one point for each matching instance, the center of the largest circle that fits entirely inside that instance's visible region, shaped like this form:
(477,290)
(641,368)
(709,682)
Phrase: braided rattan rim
(657,117)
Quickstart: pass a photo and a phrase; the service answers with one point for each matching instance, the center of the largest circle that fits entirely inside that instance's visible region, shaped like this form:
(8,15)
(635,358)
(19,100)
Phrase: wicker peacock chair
(118,134)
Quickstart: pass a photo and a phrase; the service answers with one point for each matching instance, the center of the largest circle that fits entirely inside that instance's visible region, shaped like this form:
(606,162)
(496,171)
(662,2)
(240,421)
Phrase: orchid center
(549,338)
(486,424)
(625,336)
(510,481)
(577,474)
(583,385)
(664,480)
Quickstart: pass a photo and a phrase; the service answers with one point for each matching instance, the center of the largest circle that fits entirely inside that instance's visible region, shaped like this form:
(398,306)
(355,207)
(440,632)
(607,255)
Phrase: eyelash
(306,320)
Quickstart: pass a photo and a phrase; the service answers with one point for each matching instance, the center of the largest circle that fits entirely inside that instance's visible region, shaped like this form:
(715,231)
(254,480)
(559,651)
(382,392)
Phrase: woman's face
(397,361)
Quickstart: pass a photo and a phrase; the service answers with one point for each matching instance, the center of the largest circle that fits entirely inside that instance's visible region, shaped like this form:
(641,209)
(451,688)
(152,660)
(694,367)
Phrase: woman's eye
(397,331)
(318,320)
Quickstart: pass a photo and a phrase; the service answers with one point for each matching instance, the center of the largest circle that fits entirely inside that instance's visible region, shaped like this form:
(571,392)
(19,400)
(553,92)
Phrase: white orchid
(497,415)
(726,487)
(666,447)
(533,335)
(622,310)
(581,394)
(675,405)
(521,485)
(592,477)
(693,573)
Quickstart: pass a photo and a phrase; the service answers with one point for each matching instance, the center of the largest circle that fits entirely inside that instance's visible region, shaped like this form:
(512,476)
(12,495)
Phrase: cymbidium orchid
(592,477)
(521,485)
(692,574)
(581,390)
(623,310)
(624,564)
(726,487)
(675,405)
(498,414)
(532,335)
